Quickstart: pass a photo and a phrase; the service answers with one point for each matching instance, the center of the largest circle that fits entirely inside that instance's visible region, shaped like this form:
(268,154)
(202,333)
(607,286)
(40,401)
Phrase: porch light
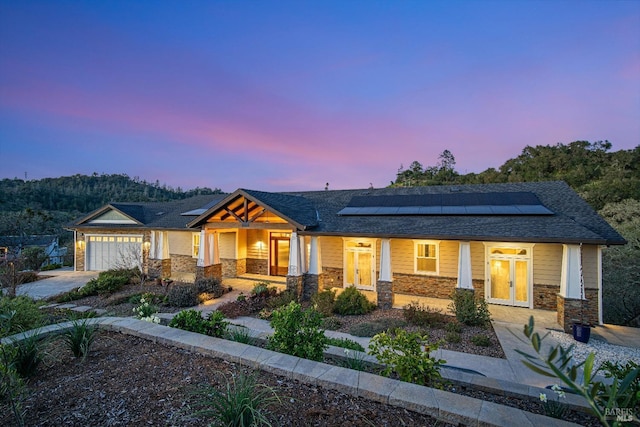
(80,244)
(146,246)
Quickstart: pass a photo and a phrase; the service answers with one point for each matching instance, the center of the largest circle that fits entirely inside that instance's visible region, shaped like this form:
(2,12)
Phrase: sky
(291,95)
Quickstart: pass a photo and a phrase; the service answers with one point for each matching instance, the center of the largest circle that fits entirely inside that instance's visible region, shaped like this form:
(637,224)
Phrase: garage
(105,252)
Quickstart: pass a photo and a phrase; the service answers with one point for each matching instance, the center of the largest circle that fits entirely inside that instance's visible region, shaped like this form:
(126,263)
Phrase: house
(519,244)
(12,246)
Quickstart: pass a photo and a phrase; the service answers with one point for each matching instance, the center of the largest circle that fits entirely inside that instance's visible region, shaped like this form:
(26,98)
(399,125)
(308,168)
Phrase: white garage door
(105,252)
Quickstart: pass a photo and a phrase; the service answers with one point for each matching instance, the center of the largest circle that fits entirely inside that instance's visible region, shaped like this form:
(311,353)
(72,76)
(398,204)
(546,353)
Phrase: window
(426,257)
(195,250)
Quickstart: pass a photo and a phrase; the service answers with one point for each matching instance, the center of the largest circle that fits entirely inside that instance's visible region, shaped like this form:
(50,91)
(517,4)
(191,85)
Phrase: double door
(360,264)
(509,277)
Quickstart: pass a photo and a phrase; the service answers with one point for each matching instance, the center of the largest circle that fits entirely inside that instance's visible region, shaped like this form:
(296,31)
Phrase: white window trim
(195,248)
(436,243)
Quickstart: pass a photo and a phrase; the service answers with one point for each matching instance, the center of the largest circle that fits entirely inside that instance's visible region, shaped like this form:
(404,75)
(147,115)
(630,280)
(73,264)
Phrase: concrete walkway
(57,282)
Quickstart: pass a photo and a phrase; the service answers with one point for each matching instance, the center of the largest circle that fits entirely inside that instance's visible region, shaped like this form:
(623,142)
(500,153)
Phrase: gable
(111,217)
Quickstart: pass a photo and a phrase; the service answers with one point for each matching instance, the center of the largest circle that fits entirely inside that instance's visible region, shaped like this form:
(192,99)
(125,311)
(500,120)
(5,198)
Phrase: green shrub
(468,309)
(27,313)
(80,338)
(182,296)
(345,343)
(324,302)
(241,403)
(28,355)
(369,329)
(402,353)
(51,267)
(33,258)
(332,323)
(453,337)
(422,315)
(215,325)
(481,340)
(281,299)
(189,320)
(453,327)
(72,295)
(208,288)
(107,282)
(618,372)
(260,289)
(239,334)
(297,332)
(352,301)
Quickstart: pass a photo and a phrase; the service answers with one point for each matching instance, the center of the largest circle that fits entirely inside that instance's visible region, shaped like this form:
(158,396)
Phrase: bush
(422,315)
(297,332)
(211,287)
(51,267)
(189,320)
(28,355)
(107,282)
(345,343)
(402,353)
(481,340)
(281,299)
(261,290)
(352,301)
(468,309)
(216,326)
(33,258)
(27,313)
(453,327)
(182,296)
(27,276)
(324,302)
(453,337)
(369,329)
(80,338)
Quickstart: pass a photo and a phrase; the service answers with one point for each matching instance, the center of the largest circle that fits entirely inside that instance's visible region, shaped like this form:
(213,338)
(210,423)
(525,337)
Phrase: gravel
(603,351)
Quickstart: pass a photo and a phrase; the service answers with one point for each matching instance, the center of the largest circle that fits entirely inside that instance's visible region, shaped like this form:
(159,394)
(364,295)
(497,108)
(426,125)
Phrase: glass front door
(359,265)
(508,279)
(279,254)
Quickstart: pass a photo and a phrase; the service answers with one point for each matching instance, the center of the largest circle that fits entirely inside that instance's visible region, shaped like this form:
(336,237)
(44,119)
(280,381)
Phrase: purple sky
(276,95)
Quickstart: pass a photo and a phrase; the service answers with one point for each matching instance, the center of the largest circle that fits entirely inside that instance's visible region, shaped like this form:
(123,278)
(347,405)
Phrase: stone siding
(295,284)
(545,297)
(384,290)
(80,237)
(430,286)
(570,310)
(183,264)
(158,268)
(258,266)
(233,267)
(312,284)
(210,271)
(332,278)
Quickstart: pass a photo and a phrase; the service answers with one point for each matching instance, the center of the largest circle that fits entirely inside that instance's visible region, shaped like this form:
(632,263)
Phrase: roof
(552,213)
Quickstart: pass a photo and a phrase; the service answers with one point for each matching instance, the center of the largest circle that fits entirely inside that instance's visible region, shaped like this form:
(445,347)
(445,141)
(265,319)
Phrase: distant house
(517,244)
(12,246)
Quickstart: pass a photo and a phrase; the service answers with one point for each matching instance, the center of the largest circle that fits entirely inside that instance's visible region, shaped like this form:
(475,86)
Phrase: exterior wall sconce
(80,244)
(146,246)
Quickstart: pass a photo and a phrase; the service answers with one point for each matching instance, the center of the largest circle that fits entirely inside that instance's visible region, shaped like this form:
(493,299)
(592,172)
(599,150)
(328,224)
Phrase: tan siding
(242,243)
(590,266)
(402,256)
(228,245)
(547,264)
(477,260)
(180,243)
(449,251)
(331,251)
(254,239)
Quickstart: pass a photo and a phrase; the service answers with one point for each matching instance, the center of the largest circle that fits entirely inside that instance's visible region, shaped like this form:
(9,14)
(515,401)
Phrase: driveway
(56,282)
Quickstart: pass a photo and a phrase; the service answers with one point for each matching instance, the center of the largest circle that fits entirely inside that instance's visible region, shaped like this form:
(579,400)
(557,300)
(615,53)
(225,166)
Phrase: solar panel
(495,203)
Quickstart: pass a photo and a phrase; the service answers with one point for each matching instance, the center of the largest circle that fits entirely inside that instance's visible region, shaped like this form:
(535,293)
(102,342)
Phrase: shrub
(182,296)
(28,355)
(402,353)
(332,323)
(233,309)
(422,315)
(453,337)
(208,288)
(324,302)
(80,338)
(281,299)
(27,277)
(239,334)
(481,340)
(468,309)
(107,282)
(215,325)
(352,301)
(453,327)
(27,313)
(189,320)
(297,332)
(260,290)
(241,403)
(33,258)
(355,362)
(369,329)
(51,267)
(345,343)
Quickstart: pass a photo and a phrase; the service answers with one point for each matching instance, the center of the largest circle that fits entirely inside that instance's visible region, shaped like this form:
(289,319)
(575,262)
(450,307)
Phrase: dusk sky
(289,95)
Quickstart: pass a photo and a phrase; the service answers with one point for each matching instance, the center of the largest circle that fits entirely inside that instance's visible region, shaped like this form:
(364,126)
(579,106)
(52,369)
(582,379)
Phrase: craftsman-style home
(535,245)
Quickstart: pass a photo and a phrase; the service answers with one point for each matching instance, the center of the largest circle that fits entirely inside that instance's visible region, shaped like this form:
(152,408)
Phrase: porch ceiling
(243,210)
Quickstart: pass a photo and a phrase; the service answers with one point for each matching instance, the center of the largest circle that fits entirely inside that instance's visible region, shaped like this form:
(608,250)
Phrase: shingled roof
(552,213)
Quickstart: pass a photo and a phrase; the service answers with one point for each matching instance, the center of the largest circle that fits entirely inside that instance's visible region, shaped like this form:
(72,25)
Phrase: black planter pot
(581,332)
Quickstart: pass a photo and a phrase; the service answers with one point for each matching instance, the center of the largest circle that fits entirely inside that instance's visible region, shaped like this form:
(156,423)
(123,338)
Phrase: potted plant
(581,330)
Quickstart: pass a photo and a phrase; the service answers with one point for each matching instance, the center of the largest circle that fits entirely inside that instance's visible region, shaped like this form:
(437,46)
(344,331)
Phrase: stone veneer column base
(572,311)
(312,283)
(158,268)
(295,284)
(211,271)
(384,290)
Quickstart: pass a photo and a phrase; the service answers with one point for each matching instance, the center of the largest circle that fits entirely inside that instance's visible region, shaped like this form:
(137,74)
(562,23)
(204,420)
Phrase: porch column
(384,286)
(571,282)
(294,274)
(313,279)
(159,262)
(208,265)
(465,281)
(302,247)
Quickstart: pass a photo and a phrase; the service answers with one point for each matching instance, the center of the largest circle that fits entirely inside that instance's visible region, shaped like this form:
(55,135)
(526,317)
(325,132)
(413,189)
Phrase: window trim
(195,245)
(435,243)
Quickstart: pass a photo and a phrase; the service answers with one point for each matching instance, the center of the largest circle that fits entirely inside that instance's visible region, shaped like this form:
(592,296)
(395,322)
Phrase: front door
(360,265)
(279,254)
(509,273)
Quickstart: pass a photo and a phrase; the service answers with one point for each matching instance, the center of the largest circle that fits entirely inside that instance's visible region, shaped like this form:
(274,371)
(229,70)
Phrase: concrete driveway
(56,282)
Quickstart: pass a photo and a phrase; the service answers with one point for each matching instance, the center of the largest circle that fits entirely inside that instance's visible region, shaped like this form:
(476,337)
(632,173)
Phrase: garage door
(105,252)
